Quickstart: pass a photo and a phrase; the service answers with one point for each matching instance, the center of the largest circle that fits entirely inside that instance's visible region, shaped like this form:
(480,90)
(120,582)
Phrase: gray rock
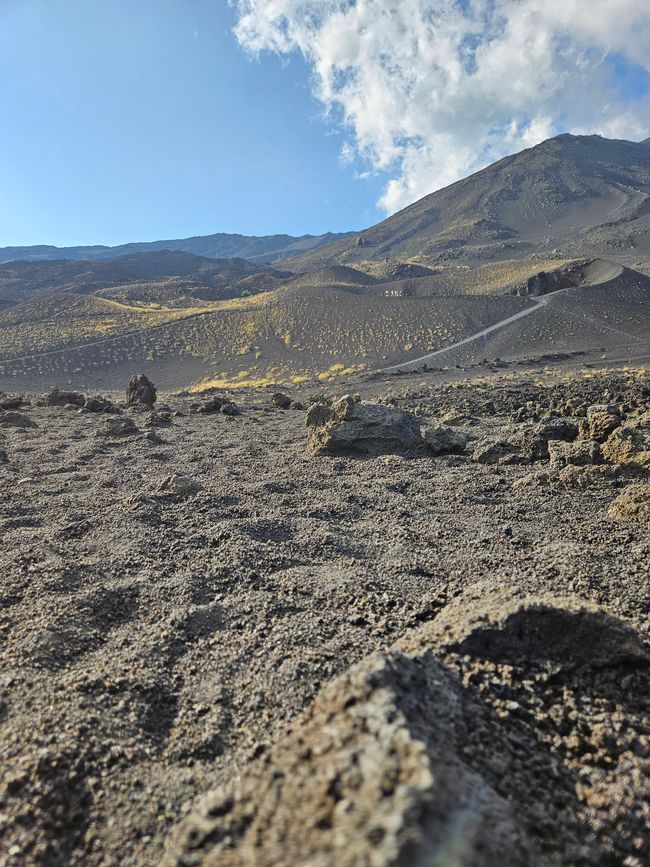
(215,404)
(489,451)
(442,440)
(13,402)
(140,390)
(535,440)
(579,454)
(179,486)
(155,419)
(16,419)
(282,401)
(499,624)
(152,437)
(602,420)
(632,504)
(118,427)
(64,398)
(348,427)
(97,403)
(4,458)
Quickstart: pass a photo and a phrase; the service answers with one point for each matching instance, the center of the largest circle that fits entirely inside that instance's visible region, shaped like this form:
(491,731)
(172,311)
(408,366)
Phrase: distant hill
(569,196)
(195,275)
(544,252)
(220,246)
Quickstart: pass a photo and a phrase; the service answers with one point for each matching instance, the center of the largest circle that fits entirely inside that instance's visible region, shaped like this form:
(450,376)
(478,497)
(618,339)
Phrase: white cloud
(431,90)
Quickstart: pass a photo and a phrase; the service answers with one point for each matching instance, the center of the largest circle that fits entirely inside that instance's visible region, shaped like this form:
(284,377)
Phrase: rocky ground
(265,631)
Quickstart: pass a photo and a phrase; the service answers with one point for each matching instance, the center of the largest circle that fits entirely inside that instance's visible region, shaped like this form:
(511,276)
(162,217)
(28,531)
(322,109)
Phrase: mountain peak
(547,199)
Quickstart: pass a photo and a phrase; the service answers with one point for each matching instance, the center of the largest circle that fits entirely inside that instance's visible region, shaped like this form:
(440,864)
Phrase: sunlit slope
(296,330)
(572,194)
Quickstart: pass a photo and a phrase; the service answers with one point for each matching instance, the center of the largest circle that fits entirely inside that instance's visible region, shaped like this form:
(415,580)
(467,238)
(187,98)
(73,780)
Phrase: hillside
(541,254)
(570,196)
(218,246)
(200,276)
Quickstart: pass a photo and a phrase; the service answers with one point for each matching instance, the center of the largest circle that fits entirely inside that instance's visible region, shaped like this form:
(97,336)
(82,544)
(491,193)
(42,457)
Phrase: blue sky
(144,119)
(134,120)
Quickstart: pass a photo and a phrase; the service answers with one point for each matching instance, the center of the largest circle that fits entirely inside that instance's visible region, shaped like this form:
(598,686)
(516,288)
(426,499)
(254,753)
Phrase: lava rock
(627,446)
(282,401)
(442,440)
(587,477)
(12,402)
(16,419)
(580,454)
(118,427)
(489,451)
(499,624)
(179,486)
(215,404)
(535,440)
(602,420)
(348,427)
(98,403)
(140,390)
(64,398)
(632,504)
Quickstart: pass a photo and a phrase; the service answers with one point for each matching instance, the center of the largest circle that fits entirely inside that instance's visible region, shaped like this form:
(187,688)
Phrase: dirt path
(538,302)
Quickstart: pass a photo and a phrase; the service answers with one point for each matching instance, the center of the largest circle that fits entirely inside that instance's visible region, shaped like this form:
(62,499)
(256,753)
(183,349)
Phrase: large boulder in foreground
(350,427)
(369,776)
(140,391)
(435,753)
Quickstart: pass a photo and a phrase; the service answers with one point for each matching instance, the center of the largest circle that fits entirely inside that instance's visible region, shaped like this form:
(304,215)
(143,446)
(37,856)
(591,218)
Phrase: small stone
(489,451)
(581,453)
(140,390)
(179,486)
(282,401)
(442,440)
(118,427)
(97,403)
(632,504)
(585,477)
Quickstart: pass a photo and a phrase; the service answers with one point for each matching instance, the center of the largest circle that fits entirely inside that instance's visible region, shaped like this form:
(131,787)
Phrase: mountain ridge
(221,245)
(565,189)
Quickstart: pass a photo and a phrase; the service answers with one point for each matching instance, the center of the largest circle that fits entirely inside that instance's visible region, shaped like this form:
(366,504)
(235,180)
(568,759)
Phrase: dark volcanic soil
(155,645)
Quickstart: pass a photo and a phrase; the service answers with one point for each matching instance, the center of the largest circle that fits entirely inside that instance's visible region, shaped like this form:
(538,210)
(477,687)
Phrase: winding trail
(538,302)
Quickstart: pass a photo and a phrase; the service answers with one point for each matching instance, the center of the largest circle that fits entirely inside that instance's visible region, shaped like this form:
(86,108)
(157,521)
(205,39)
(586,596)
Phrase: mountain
(153,272)
(546,252)
(219,246)
(569,196)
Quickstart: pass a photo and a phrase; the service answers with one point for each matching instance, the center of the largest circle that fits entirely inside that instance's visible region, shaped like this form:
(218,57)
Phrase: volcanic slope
(184,272)
(590,306)
(570,196)
(294,331)
(318,332)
